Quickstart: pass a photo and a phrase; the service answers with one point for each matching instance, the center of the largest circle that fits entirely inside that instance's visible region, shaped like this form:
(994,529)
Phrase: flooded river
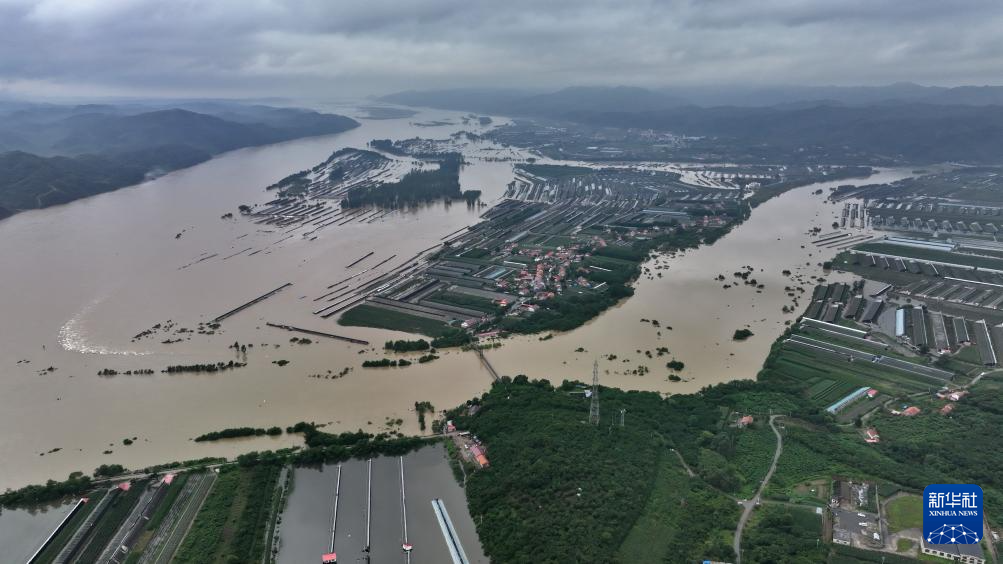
(696,315)
(81,280)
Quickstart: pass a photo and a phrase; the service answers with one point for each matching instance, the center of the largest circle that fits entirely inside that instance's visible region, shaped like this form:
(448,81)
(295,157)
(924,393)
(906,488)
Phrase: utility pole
(594,407)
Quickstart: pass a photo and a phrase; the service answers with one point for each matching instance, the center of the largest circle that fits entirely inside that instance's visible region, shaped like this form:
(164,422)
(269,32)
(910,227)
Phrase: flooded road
(306,522)
(83,281)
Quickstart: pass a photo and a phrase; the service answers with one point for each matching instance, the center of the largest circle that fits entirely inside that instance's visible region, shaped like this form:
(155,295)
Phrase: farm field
(231,524)
(904,512)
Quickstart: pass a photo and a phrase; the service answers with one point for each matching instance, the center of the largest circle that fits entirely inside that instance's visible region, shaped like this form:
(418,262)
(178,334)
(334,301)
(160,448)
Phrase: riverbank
(566,244)
(79,310)
(57,160)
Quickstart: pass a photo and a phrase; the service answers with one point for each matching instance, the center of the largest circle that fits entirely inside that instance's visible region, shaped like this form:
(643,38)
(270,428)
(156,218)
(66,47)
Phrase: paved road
(749,505)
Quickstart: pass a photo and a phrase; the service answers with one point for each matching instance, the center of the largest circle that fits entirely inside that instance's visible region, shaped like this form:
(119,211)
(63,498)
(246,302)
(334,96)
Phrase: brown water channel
(80,280)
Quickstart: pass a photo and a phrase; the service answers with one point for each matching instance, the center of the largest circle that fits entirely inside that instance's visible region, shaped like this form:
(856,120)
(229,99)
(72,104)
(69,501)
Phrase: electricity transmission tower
(594,408)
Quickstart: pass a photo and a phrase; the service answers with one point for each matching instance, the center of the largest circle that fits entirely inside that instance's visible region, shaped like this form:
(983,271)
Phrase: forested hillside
(612,493)
(56,154)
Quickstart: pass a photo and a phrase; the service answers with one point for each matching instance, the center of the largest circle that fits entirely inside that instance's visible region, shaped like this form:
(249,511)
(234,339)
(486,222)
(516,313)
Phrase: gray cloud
(325,48)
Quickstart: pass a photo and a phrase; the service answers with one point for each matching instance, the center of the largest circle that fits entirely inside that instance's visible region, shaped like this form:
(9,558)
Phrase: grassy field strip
(111,551)
(904,512)
(853,354)
(826,381)
(178,520)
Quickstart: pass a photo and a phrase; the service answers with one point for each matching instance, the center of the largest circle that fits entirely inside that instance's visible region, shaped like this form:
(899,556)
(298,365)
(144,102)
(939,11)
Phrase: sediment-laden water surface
(81,281)
(697,316)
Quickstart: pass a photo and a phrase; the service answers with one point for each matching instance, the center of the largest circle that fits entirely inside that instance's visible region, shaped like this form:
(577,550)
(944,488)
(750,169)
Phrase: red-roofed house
(910,411)
(947,409)
(871,435)
(871,393)
(479,456)
(745,421)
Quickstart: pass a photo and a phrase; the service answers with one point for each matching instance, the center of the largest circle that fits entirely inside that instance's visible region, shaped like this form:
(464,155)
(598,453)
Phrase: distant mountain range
(52,154)
(523,103)
(904,122)
(627,98)
(907,132)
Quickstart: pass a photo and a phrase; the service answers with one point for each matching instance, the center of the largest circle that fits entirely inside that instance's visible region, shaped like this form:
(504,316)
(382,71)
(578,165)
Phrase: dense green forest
(585,485)
(75,484)
(237,432)
(785,534)
(30,181)
(608,493)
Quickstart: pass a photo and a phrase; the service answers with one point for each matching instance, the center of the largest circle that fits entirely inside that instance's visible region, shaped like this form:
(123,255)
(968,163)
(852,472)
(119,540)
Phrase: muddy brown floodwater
(81,280)
(696,315)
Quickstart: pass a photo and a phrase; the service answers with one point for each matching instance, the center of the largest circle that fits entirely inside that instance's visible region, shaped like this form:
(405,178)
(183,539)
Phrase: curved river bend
(81,280)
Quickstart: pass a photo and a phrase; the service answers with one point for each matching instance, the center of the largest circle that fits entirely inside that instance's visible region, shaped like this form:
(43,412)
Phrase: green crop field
(802,364)
(904,512)
(230,526)
(784,534)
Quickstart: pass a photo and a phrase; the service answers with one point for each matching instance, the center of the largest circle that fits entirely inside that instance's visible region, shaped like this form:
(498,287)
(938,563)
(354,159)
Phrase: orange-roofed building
(947,409)
(910,411)
(745,421)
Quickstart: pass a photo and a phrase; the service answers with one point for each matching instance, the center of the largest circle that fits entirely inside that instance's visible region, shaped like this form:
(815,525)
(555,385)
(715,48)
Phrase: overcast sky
(338,48)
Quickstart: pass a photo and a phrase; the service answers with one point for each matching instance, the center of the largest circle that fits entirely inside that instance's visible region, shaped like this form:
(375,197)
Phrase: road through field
(749,505)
